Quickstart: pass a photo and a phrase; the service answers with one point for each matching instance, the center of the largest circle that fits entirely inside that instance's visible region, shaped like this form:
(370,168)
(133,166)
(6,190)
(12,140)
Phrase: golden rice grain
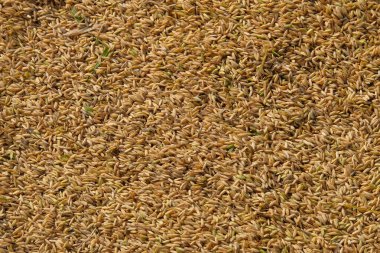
(189,126)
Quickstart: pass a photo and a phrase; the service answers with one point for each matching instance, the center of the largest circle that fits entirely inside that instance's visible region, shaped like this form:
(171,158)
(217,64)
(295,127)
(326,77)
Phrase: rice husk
(189,126)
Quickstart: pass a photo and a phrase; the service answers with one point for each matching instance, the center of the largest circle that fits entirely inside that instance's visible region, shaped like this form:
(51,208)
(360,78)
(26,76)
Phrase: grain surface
(189,126)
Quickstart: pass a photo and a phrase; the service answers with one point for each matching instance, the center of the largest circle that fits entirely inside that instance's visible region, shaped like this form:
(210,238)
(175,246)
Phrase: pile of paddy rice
(189,126)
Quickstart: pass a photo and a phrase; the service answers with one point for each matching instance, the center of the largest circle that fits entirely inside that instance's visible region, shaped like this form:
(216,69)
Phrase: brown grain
(189,126)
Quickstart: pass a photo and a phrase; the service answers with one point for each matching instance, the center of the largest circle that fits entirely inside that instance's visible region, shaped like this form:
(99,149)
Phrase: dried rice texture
(189,126)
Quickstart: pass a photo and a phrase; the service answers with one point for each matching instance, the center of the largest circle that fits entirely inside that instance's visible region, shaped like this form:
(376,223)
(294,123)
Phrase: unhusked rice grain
(189,126)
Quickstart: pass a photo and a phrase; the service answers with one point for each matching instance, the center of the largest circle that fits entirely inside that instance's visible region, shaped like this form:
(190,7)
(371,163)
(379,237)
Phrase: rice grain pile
(189,126)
